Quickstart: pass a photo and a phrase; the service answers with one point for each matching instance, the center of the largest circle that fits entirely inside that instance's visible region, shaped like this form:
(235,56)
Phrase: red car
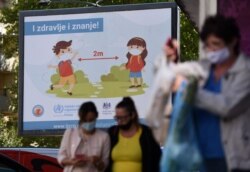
(34,159)
(9,165)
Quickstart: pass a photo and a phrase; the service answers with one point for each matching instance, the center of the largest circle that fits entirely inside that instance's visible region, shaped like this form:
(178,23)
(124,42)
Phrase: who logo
(58,108)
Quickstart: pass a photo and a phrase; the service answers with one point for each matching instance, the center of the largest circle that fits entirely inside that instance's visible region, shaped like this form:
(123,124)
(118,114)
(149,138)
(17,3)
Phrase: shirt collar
(239,65)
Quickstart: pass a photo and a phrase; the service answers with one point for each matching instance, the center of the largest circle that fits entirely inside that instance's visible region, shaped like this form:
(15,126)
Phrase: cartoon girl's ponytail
(144,55)
(128,57)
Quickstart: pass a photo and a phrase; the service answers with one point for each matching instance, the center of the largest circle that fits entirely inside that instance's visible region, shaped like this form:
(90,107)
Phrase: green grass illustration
(114,84)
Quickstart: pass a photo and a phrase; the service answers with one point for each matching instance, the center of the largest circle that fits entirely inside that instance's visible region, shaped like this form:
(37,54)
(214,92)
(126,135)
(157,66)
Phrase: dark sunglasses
(120,118)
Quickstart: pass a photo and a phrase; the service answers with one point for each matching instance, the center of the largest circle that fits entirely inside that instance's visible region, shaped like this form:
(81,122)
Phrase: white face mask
(218,56)
(64,57)
(135,51)
(88,126)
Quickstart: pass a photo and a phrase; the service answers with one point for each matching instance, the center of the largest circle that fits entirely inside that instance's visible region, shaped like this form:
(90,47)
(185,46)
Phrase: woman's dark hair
(128,104)
(223,27)
(138,42)
(85,108)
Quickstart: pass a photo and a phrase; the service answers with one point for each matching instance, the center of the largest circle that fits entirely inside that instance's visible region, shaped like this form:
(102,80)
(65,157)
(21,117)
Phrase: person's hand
(78,162)
(170,52)
(97,161)
(123,68)
(177,83)
(50,66)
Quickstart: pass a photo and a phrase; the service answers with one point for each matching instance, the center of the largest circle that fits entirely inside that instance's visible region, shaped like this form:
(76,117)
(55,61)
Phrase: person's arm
(123,67)
(73,162)
(106,151)
(52,66)
(102,162)
(63,157)
(141,64)
(128,66)
(155,151)
(230,103)
(186,69)
(198,70)
(74,56)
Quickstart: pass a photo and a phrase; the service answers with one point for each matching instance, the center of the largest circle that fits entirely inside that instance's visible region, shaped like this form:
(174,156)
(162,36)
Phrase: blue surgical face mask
(135,51)
(88,126)
(218,56)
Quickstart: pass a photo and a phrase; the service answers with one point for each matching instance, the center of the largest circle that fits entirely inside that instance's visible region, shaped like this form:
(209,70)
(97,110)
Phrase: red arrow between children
(100,58)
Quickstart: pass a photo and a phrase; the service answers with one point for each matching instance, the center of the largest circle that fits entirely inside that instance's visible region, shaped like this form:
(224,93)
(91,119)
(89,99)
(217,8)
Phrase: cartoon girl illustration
(137,52)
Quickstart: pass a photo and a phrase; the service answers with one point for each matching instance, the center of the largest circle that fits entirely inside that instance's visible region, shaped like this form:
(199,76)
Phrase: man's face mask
(218,56)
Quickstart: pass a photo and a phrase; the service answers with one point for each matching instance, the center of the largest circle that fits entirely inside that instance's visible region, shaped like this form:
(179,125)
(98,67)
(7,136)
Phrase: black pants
(238,170)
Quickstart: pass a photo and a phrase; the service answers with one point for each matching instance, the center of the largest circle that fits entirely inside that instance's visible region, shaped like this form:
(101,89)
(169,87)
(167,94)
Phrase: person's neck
(228,63)
(88,133)
(222,68)
(131,131)
(135,55)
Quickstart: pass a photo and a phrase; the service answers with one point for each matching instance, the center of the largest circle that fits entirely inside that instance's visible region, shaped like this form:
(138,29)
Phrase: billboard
(70,56)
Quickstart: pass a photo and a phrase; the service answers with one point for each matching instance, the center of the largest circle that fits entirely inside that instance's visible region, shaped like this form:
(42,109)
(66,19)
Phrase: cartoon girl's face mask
(135,50)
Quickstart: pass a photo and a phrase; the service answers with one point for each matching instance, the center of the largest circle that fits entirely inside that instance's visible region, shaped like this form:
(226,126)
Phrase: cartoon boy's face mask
(65,54)
(64,57)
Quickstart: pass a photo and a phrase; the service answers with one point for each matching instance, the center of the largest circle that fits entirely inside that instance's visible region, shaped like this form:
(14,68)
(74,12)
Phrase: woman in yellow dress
(133,148)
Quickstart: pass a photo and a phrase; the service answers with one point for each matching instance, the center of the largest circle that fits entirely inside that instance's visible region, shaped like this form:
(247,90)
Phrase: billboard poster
(70,56)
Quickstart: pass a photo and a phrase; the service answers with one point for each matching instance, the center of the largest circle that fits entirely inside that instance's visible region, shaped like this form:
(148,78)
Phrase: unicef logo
(38,110)
(58,108)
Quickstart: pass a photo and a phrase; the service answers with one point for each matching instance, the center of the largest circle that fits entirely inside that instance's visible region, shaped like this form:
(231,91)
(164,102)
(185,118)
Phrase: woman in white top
(85,149)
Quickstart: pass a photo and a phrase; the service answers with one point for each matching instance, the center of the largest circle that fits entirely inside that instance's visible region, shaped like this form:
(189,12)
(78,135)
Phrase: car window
(5,168)
(2,169)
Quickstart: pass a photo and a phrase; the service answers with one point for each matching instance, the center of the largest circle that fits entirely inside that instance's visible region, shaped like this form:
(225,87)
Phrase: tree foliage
(189,39)
(9,48)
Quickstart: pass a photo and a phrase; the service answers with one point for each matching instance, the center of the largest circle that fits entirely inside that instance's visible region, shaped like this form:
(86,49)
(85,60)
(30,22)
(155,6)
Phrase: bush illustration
(108,77)
(116,74)
(80,77)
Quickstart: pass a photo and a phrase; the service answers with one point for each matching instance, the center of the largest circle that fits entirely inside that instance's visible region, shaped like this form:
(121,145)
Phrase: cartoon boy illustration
(63,51)
(137,52)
